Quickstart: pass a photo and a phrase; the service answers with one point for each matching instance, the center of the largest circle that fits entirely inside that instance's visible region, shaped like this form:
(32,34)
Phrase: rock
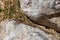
(11,30)
(38,10)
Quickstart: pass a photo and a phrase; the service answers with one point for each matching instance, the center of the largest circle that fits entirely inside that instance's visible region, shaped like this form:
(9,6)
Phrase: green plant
(0,10)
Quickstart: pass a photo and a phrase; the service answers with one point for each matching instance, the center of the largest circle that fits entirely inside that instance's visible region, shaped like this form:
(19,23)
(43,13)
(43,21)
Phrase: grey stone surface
(10,30)
(40,11)
(36,8)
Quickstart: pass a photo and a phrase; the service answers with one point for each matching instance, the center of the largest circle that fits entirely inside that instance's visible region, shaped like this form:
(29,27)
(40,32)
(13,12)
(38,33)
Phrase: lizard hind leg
(45,22)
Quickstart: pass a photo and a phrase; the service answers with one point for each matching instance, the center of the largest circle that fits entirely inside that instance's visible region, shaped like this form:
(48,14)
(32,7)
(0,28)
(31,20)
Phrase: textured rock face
(10,30)
(36,8)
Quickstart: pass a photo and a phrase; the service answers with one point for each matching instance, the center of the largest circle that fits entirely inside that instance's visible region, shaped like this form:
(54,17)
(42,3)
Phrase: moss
(0,10)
